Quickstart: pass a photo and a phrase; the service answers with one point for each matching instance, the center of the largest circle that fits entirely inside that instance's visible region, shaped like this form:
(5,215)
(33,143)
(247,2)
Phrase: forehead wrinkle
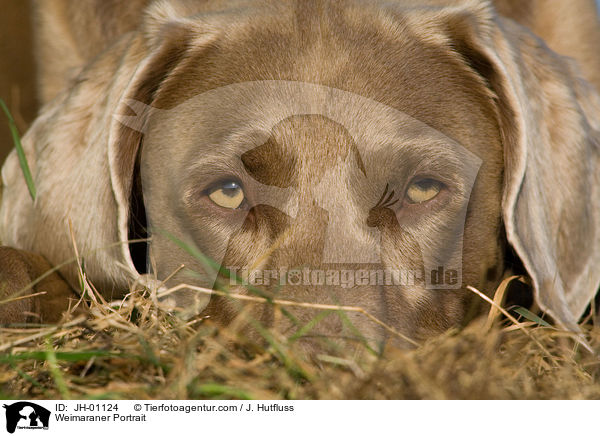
(420,152)
(219,159)
(408,145)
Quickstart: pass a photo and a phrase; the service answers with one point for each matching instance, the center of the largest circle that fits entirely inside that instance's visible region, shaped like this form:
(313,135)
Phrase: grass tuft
(20,152)
(135,350)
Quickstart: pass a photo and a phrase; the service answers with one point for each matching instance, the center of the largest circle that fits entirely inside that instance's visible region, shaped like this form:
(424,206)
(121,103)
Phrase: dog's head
(376,156)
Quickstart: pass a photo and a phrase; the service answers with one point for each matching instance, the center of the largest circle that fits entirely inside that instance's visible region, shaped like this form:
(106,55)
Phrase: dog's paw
(24,295)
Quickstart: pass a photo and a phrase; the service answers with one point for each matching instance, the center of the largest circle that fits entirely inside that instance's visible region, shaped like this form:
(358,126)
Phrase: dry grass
(137,351)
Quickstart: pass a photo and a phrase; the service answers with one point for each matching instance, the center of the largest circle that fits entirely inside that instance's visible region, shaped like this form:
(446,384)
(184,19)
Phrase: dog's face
(262,170)
(372,155)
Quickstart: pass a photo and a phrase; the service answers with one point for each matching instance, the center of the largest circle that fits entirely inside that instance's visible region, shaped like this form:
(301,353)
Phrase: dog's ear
(172,39)
(80,186)
(550,123)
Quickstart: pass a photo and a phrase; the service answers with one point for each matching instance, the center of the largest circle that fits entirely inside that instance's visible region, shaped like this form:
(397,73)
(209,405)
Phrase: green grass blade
(61,356)
(211,265)
(306,328)
(55,371)
(208,263)
(27,377)
(219,391)
(20,152)
(530,316)
(293,368)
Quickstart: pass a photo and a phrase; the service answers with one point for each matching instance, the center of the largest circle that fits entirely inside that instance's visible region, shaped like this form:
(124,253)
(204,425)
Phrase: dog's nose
(333,331)
(334,305)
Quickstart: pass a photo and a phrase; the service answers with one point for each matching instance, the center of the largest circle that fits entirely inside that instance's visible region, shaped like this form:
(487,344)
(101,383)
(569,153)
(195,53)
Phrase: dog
(319,145)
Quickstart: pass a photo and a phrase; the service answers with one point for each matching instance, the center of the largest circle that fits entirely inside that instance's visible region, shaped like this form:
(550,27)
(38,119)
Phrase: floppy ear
(82,157)
(172,39)
(550,122)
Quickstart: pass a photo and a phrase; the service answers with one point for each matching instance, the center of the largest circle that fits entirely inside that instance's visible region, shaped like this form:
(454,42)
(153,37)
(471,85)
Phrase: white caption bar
(463,418)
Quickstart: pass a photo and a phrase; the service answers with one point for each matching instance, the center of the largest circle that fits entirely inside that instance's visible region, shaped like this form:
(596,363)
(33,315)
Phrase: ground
(136,351)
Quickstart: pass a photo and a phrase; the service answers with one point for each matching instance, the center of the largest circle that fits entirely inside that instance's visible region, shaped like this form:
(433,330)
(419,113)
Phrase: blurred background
(17,86)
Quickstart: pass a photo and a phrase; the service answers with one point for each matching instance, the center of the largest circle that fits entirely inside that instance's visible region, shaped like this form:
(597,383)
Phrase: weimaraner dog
(378,154)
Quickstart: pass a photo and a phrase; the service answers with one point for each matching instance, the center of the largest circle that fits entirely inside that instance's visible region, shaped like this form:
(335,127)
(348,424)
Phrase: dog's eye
(423,190)
(229,195)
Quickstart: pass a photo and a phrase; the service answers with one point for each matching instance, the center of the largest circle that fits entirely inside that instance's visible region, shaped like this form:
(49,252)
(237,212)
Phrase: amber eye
(423,190)
(229,195)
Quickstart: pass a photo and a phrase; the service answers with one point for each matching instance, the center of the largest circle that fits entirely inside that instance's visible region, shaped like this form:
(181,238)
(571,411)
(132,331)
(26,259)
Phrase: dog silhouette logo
(26,415)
